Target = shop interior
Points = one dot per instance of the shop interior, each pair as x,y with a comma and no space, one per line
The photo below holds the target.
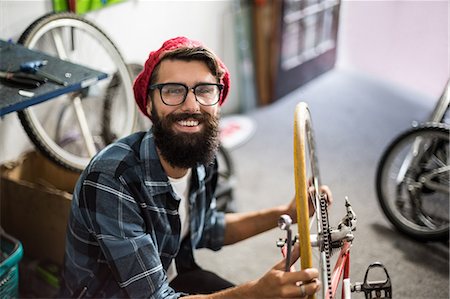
368,70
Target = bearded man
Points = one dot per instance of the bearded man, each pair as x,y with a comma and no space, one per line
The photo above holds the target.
146,202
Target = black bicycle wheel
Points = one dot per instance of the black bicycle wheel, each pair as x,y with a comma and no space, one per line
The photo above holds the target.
413,182
111,105
72,135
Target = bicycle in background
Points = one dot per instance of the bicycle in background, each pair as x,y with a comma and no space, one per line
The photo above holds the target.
70,129
413,177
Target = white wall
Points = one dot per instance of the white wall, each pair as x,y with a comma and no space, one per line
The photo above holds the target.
405,42
138,26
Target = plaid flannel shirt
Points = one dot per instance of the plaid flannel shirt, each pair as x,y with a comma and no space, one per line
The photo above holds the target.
109,248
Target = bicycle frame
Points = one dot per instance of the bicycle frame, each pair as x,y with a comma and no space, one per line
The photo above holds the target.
341,237
341,270
442,105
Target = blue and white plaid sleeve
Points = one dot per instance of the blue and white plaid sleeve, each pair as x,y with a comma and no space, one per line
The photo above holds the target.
114,218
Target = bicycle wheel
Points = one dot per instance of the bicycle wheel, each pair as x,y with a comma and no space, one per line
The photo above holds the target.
413,182
112,106
72,135
307,183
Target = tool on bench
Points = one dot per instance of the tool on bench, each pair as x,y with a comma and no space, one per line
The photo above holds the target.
33,67
23,79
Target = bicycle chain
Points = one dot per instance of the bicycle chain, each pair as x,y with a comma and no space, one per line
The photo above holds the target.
326,239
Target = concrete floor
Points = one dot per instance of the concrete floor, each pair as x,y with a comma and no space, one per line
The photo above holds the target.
354,118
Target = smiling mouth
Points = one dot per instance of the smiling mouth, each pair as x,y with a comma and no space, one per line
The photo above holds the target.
188,123
188,120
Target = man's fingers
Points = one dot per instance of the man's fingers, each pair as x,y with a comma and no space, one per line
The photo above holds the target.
299,283
296,284
327,191
305,276
295,254
307,288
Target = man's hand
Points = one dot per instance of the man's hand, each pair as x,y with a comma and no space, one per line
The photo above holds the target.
324,189
276,283
279,284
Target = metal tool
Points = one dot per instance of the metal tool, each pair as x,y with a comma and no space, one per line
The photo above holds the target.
284,223
33,67
22,79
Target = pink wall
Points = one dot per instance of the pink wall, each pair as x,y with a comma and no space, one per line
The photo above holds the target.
406,42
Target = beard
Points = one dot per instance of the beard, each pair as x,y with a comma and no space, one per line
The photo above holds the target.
186,150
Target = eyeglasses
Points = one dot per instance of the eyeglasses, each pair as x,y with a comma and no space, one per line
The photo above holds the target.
174,94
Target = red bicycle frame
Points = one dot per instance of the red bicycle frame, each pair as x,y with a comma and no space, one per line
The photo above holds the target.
342,268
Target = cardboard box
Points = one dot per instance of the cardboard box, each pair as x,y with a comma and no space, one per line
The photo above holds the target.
35,197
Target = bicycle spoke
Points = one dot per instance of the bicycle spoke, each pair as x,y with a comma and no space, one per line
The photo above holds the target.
84,127
59,44
442,182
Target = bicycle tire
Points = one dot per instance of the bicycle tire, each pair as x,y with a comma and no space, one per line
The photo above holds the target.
59,34
414,208
306,175
113,91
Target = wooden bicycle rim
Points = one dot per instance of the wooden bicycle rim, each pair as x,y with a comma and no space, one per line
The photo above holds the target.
301,184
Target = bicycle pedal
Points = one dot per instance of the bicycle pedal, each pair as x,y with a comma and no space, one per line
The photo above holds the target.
379,289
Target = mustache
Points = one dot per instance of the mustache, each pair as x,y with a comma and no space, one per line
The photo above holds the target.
184,116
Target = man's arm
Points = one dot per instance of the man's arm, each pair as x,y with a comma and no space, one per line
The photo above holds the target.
240,226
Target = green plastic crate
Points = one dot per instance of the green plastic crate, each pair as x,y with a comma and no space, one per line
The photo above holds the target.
10,255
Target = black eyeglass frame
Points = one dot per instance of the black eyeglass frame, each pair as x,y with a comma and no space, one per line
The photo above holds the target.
187,88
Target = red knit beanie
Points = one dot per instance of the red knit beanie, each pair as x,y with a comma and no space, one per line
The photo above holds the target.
143,79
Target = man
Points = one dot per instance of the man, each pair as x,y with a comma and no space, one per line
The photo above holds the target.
145,202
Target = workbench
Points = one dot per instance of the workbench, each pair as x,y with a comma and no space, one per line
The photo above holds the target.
13,99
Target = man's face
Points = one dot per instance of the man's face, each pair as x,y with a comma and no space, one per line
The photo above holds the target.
186,134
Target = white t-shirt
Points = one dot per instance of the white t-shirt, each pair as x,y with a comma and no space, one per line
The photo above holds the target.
181,188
